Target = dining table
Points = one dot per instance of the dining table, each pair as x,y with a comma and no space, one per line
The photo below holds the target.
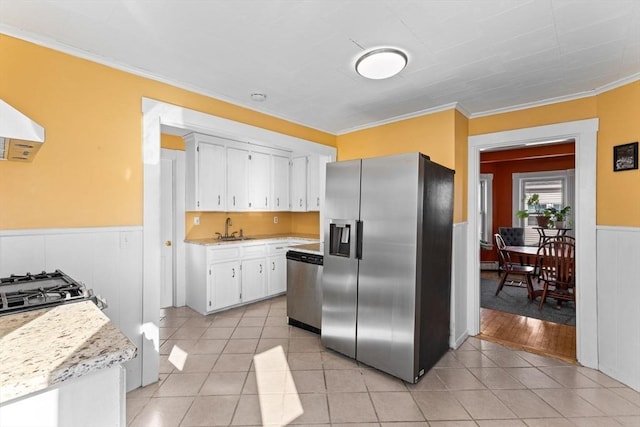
528,255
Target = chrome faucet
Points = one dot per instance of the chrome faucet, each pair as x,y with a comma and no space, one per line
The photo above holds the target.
227,223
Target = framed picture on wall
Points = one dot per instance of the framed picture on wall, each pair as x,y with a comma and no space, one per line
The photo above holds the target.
625,157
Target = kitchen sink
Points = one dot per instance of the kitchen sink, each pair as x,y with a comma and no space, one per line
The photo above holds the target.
235,239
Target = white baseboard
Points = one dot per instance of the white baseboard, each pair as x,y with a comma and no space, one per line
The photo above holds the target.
489,265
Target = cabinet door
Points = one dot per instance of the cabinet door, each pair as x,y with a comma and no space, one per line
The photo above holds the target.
316,176
224,285
259,184
237,173
280,172
299,184
254,274
277,274
212,178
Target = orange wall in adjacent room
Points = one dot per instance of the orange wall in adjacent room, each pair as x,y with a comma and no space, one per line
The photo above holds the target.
503,164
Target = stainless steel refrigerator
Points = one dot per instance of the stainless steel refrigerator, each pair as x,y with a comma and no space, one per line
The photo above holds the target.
387,262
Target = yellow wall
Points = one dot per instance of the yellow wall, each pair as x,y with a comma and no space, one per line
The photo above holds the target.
442,136
618,111
461,162
430,134
618,193
172,142
89,170
584,108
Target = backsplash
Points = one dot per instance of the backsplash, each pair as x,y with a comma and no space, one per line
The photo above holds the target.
253,224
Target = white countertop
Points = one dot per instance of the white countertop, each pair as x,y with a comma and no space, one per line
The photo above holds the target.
311,248
257,239
40,348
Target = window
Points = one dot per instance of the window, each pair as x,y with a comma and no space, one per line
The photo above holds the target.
555,189
485,218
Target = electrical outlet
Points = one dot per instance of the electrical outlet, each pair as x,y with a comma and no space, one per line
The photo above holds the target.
275,219
196,220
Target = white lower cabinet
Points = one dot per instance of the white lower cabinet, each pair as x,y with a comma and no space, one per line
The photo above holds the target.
223,276
224,285
254,279
277,263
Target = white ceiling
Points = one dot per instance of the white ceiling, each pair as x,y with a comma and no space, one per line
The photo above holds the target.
485,55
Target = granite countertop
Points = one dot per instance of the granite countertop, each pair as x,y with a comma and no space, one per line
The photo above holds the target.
45,347
253,239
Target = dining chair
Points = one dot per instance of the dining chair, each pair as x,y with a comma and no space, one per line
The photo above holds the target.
512,273
557,271
512,236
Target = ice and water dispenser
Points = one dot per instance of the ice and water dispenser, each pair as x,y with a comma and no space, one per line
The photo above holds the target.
340,239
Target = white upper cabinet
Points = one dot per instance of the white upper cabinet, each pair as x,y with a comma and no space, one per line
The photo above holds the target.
308,176
212,167
233,176
280,172
259,182
316,177
299,184
206,164
237,179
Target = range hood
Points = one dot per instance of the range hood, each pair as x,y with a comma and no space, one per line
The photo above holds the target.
20,137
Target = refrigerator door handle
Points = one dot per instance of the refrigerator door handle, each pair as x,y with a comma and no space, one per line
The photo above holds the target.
358,239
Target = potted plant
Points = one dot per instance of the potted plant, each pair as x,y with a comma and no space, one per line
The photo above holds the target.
542,216
559,217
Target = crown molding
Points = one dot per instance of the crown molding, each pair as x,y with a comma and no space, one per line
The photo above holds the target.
535,104
445,107
78,53
618,83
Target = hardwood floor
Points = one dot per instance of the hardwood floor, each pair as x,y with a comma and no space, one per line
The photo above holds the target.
537,336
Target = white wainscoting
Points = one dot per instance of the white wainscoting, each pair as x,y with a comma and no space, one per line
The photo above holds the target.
459,285
618,303
106,259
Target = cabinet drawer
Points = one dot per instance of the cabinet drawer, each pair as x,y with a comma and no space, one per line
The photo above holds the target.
222,254
253,250
278,248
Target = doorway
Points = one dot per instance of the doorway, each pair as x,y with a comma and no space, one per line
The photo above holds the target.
510,176
585,134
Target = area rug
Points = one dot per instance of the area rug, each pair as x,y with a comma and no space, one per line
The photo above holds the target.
514,300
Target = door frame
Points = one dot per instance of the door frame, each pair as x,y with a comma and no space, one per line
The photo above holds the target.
177,158
155,116
584,132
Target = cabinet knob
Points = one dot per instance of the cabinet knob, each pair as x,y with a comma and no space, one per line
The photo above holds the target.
233,272
260,268
167,243
300,202
273,266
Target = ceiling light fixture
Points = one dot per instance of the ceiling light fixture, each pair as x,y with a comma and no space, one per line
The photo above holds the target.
381,63
259,96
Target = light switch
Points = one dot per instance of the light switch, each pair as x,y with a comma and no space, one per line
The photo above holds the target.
196,220
275,219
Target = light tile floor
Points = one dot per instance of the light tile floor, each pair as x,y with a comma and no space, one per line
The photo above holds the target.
479,384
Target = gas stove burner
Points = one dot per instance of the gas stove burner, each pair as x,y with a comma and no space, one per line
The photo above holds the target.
31,291
15,278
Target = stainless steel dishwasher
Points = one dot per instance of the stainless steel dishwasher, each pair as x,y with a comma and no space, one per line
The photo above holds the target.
304,288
